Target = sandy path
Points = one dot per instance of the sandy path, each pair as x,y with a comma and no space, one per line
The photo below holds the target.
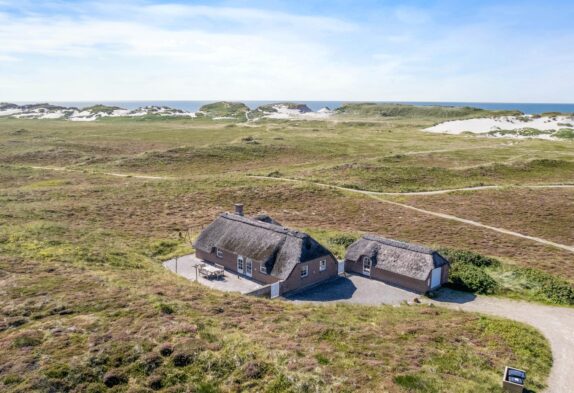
415,193
64,169
555,323
375,195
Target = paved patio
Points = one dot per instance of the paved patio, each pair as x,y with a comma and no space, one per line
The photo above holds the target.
355,289
232,282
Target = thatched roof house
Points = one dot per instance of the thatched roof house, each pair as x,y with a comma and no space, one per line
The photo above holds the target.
265,251
407,265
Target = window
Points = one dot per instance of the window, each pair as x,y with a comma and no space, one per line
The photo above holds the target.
219,253
322,265
304,271
263,269
367,266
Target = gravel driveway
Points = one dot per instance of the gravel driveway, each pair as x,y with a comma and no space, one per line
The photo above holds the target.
556,323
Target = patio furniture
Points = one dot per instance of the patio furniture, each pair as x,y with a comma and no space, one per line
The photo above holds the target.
212,272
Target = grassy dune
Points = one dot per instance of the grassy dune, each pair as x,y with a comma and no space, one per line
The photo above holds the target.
87,302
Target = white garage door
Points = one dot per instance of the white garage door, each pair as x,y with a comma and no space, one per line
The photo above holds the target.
436,277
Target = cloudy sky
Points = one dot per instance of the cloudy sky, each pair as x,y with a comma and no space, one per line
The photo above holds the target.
490,51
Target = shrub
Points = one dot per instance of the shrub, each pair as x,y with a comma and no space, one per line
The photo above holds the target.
472,279
254,370
553,289
182,359
166,308
114,377
12,379
150,362
163,247
469,257
155,382
166,349
344,240
27,340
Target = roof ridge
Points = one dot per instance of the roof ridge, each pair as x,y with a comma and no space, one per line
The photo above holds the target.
399,244
265,225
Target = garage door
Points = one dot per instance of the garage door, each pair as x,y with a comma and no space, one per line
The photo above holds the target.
436,277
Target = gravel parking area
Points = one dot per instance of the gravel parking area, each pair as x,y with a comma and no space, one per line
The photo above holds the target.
355,289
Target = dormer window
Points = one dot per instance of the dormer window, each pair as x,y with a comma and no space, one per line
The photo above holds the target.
219,253
263,269
304,271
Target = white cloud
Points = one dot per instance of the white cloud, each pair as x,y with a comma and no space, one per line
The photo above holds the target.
130,50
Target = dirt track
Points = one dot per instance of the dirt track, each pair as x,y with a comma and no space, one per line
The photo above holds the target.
378,195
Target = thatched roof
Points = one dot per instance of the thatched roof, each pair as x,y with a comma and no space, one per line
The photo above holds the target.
266,218
279,248
410,260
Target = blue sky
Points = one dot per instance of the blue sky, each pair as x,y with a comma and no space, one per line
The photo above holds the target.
490,51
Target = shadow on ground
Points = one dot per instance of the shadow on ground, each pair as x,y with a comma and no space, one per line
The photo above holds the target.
340,289
447,295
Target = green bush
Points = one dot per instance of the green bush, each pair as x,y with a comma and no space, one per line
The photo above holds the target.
469,258
166,308
163,247
553,289
27,340
467,277
343,239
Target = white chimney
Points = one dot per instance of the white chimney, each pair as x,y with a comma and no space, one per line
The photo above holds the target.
239,209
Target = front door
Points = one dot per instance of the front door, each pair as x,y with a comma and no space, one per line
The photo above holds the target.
248,267
436,277
366,266
240,264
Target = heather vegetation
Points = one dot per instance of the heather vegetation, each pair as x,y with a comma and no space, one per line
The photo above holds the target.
90,210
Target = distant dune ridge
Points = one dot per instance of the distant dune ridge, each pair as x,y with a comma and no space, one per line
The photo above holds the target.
217,111
48,111
453,119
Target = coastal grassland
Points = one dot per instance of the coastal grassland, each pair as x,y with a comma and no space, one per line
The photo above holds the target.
359,152
88,305
545,213
392,175
77,327
88,301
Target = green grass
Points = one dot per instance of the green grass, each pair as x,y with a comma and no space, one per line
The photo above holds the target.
413,111
485,275
398,177
80,255
225,109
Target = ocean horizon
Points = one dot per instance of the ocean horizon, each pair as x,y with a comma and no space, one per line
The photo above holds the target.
194,105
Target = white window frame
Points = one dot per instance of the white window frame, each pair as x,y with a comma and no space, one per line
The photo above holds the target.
248,268
240,264
263,268
322,265
304,271
218,253
370,263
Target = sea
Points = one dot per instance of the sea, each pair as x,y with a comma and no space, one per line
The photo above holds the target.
193,106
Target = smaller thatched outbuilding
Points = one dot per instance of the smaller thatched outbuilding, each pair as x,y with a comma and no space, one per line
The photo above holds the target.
405,265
